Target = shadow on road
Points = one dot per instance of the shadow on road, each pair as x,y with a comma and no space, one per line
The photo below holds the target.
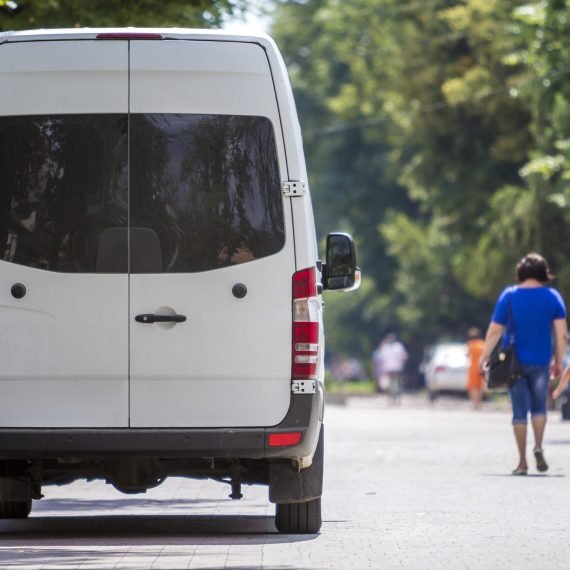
523,477
131,530
558,442
96,506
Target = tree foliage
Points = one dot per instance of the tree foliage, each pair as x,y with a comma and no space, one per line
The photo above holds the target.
438,133
108,13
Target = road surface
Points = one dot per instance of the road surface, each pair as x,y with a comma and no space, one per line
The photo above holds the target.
409,487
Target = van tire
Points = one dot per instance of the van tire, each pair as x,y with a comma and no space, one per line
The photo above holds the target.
298,518
15,509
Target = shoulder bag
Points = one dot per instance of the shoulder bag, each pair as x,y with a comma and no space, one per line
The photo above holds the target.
504,368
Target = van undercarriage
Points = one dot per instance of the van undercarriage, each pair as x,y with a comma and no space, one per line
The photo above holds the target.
134,461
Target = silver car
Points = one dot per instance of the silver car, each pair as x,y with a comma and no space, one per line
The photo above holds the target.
446,370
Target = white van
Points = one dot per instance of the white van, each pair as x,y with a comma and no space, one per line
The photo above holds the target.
160,285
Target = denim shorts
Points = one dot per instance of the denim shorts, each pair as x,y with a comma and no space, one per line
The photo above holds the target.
529,393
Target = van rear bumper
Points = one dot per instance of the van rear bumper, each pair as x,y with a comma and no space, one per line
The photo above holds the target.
304,415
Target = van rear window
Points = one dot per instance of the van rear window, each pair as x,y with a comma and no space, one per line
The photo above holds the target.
200,192
208,186
63,181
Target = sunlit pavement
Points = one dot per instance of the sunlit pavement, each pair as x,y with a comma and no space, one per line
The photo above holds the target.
410,486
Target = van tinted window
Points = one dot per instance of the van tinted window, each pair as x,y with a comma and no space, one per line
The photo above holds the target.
63,181
203,192
208,186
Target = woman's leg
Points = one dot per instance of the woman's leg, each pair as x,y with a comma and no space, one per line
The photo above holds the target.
520,401
539,381
538,425
520,438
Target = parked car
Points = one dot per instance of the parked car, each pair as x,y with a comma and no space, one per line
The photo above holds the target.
160,282
446,371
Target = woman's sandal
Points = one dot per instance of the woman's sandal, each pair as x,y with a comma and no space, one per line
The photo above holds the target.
541,464
520,471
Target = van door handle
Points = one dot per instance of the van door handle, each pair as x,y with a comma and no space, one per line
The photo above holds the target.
150,318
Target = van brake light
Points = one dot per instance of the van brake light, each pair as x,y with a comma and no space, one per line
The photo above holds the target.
305,341
129,36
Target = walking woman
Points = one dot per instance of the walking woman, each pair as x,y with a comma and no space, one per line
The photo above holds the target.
532,311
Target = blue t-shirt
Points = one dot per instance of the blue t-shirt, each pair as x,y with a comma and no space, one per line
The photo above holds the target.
533,309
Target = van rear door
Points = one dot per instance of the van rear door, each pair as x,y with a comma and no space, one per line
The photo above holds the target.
63,188
210,238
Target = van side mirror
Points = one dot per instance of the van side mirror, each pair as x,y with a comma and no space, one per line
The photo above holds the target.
340,273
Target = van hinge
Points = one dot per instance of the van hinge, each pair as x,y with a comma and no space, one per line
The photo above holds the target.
294,188
304,387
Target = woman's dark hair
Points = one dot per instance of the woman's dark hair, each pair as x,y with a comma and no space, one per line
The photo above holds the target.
533,266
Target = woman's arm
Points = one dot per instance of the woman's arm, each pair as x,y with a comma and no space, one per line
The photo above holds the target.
562,384
494,333
561,344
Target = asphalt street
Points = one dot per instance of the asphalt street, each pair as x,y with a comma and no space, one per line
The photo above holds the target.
412,487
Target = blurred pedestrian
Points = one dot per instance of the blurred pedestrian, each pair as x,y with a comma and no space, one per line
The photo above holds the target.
391,359
475,379
527,313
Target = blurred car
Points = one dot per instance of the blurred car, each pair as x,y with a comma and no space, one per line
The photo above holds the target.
446,370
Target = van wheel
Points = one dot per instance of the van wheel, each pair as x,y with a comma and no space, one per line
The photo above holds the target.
298,518
15,509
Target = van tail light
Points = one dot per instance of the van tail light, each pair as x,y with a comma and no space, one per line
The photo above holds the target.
305,341
440,368
284,439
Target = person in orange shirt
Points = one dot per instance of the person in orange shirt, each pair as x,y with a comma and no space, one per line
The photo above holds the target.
475,380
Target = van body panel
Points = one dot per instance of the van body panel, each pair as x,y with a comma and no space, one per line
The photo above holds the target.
239,443
64,350
236,347
63,77
200,77
228,364
303,219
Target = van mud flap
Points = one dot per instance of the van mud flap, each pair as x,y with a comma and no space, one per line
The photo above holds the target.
290,485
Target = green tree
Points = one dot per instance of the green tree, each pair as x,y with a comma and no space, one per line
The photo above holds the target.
546,175
102,13
470,135
438,133
351,169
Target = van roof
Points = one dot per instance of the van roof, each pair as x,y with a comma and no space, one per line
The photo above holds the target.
135,33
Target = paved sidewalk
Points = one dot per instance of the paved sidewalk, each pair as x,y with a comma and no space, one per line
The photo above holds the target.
410,487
